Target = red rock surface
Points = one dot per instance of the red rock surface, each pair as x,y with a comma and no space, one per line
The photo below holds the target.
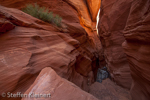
28,45
60,89
94,6
125,24
87,11
33,45
108,90
111,24
5,25
137,48
70,10
72,13
82,9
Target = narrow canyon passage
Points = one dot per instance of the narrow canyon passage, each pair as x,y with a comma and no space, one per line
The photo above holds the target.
99,51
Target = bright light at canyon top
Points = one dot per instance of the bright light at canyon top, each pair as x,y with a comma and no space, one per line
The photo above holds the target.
97,20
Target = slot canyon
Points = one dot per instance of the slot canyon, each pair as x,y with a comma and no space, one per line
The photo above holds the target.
101,50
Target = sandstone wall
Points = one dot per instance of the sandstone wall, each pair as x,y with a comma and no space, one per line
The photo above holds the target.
124,33
27,45
48,82
113,17
137,48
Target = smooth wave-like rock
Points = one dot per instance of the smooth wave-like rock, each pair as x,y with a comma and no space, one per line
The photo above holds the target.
112,21
137,48
124,34
48,82
33,45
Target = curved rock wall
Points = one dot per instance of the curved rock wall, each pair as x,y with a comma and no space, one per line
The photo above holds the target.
27,45
111,24
48,82
137,48
124,33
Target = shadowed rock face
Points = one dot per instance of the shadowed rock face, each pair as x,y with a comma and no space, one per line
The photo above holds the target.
124,29
111,24
60,89
28,45
137,48
5,25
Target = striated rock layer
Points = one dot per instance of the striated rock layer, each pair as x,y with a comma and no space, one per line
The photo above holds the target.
48,82
71,11
125,23
111,24
137,48
27,45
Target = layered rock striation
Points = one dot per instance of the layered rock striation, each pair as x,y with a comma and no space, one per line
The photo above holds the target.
137,48
28,45
124,34
48,82
112,22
